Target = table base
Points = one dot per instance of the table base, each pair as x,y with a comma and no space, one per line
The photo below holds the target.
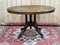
30,24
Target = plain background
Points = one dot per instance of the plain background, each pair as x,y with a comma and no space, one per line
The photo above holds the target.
49,18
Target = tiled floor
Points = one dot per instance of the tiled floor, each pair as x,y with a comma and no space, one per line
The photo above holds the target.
9,34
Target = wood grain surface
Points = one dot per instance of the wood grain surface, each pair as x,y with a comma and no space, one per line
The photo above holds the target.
30,9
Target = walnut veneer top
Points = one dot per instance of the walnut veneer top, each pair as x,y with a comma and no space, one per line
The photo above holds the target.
30,9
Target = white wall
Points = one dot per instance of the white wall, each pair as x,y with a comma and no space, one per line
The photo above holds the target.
7,17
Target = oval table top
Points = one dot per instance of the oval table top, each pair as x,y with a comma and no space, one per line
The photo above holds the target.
30,9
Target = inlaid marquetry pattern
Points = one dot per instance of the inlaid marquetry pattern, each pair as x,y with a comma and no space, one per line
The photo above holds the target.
31,9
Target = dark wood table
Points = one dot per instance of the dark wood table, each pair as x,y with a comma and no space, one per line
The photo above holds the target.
30,10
